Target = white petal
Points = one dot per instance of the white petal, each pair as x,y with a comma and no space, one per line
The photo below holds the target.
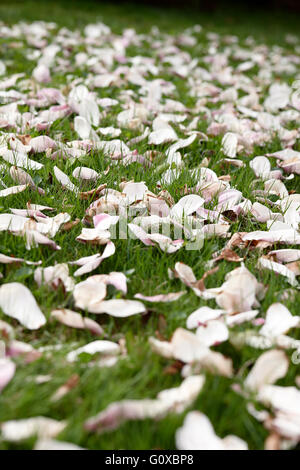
120,308
18,302
95,347
64,180
14,431
269,367
278,321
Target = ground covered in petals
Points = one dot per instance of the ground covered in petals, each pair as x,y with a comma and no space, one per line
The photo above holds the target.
149,229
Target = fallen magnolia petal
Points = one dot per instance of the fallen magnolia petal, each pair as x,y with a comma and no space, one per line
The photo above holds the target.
20,160
162,136
102,347
269,367
184,273
172,400
276,187
13,190
239,318
89,263
42,143
89,294
41,74
42,427
170,297
228,255
197,433
7,371
16,348
261,167
64,180
263,214
20,176
120,308
180,144
212,334
229,144
9,259
134,191
35,238
52,444
186,205
285,403
287,255
113,148
6,330
95,236
288,236
278,321
55,276
202,316
17,302
279,269
116,279
75,320
186,347
85,174
239,292
82,127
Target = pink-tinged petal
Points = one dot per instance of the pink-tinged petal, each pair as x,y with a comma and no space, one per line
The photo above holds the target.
139,233
7,371
9,259
186,347
170,297
54,276
42,143
239,292
75,320
242,317
288,236
85,174
41,74
116,279
287,255
35,238
172,400
202,316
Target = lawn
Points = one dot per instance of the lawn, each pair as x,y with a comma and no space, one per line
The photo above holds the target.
140,372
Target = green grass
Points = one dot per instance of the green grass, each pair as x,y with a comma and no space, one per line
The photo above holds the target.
142,373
